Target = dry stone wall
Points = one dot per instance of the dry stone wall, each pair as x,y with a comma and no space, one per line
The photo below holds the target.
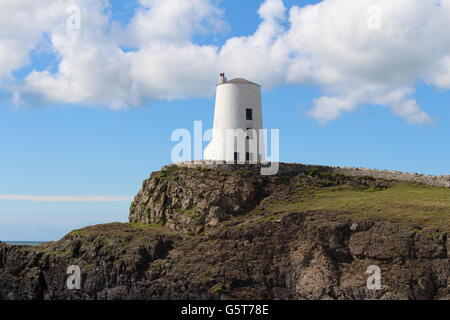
293,168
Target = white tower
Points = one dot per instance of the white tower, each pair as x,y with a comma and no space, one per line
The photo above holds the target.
237,133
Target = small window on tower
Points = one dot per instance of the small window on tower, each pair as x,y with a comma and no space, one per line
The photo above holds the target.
249,114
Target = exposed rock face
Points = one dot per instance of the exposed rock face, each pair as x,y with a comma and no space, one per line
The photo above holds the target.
111,257
210,235
196,198
191,199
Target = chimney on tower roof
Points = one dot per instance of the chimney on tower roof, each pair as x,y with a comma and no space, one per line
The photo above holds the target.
222,79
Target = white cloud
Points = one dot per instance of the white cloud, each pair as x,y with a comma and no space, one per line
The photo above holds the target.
67,198
95,71
354,64
263,56
328,44
171,20
22,24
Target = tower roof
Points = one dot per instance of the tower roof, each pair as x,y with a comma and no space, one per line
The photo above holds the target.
241,80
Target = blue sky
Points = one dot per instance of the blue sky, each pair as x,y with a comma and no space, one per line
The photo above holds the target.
57,148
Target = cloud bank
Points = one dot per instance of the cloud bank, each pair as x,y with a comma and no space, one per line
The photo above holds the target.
356,52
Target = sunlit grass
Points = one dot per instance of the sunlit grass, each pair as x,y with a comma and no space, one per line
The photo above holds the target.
404,203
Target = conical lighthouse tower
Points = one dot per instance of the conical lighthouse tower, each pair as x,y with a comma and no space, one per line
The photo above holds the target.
237,133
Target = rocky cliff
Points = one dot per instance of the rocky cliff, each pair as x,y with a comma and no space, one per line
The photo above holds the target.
204,233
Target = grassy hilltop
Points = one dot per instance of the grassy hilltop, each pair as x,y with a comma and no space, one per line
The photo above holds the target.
403,203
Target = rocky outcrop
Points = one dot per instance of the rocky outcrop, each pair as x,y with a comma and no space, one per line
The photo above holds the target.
111,257
296,256
192,199
198,197
199,233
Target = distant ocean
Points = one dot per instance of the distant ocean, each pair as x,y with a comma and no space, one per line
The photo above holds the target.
28,243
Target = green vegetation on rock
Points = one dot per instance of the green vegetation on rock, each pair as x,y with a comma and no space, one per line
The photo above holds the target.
402,203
